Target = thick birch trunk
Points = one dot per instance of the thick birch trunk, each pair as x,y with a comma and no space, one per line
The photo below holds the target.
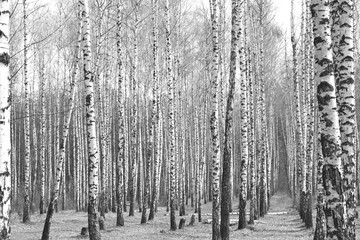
346,97
332,171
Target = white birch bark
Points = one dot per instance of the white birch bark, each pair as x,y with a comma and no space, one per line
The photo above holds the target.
5,137
214,122
171,117
92,148
332,169
26,216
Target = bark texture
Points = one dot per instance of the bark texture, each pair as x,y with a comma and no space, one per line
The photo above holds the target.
5,124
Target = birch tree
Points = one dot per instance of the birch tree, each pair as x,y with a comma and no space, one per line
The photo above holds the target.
26,216
330,135
151,153
65,131
121,103
214,122
156,96
5,124
244,128
92,148
171,117
346,97
42,136
134,114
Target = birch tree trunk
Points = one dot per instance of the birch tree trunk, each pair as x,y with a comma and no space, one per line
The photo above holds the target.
151,154
155,119
5,124
310,119
244,130
214,123
134,118
42,136
251,144
263,123
330,136
171,114
65,131
299,137
320,226
92,148
346,97
121,106
26,216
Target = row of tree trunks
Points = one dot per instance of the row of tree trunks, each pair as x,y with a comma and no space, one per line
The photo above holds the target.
136,158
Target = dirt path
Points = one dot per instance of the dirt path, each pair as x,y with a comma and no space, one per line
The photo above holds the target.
282,222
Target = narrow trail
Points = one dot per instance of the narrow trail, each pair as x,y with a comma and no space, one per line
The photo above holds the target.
281,222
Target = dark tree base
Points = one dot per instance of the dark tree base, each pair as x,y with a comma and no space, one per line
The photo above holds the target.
192,220
101,223
302,205
182,223
182,210
143,216
84,231
308,213
199,213
242,214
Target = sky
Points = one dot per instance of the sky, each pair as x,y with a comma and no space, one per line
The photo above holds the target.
281,10
282,13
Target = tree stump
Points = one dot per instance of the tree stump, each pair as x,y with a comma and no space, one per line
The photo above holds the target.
182,223
102,223
192,220
84,231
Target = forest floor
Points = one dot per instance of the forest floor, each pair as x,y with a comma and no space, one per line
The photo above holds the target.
281,222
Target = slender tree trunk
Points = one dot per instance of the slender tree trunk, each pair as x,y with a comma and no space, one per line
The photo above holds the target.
26,216
263,123
251,131
155,116
134,119
5,125
42,135
214,123
121,105
244,130
171,117
92,147
310,119
65,131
